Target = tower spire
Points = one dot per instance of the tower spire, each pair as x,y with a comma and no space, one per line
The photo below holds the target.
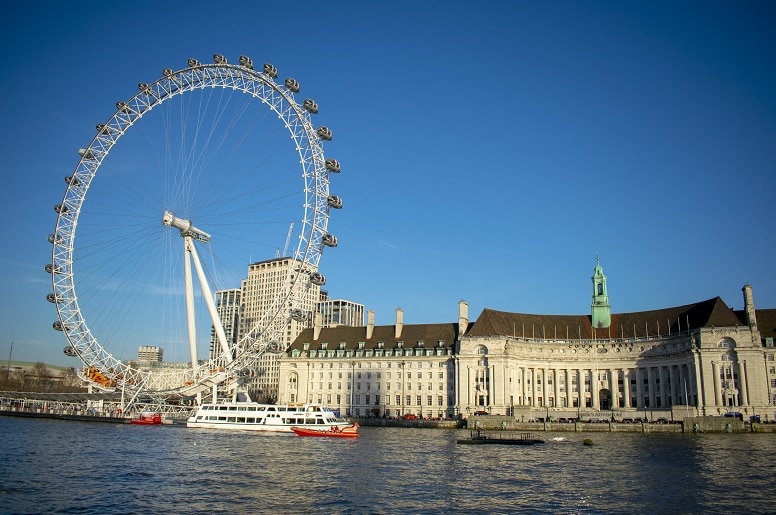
600,309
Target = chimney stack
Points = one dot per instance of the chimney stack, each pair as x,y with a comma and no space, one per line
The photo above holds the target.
463,317
317,323
751,318
399,322
370,324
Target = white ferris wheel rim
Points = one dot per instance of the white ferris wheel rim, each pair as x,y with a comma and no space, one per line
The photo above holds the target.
264,335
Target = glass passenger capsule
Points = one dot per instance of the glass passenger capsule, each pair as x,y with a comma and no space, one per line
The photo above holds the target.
270,70
332,165
246,61
334,201
310,105
292,84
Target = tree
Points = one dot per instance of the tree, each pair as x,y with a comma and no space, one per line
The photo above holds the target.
40,377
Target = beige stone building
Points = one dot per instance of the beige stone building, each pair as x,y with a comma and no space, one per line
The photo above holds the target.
396,370
698,359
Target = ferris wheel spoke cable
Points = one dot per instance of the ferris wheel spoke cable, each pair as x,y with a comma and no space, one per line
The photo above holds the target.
205,166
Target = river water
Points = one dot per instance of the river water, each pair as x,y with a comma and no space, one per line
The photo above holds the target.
49,466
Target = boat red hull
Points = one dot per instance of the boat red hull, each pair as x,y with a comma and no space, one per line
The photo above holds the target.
345,432
147,420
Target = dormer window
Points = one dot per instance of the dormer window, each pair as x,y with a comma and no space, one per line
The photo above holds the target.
400,344
361,345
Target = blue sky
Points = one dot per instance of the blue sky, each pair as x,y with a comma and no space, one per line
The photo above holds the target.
489,151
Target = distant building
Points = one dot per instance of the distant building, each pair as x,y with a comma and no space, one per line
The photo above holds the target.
261,293
241,309
150,354
698,359
374,370
340,312
228,309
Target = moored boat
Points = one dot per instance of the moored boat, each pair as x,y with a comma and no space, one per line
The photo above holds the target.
335,432
481,438
277,418
147,418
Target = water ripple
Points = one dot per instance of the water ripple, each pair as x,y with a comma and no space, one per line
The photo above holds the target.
76,467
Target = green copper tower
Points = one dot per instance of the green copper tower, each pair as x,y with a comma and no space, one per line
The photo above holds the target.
601,311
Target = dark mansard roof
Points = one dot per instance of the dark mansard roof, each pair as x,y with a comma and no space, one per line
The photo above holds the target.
430,334
707,313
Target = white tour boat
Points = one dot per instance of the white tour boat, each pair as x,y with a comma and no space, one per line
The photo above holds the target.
252,416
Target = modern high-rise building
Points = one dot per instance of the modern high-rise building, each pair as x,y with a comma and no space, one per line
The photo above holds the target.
228,309
150,354
262,292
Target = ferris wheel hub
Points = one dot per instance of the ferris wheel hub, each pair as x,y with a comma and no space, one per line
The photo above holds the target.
184,226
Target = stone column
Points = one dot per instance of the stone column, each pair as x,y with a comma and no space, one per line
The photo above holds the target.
580,389
743,381
522,386
533,387
717,384
594,388
614,376
626,388
651,386
661,373
492,386
569,395
685,384
695,383
639,388
674,377
469,389
555,381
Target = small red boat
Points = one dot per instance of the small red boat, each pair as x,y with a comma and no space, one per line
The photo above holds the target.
148,418
336,432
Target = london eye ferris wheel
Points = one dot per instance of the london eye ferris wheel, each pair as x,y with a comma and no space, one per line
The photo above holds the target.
186,183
